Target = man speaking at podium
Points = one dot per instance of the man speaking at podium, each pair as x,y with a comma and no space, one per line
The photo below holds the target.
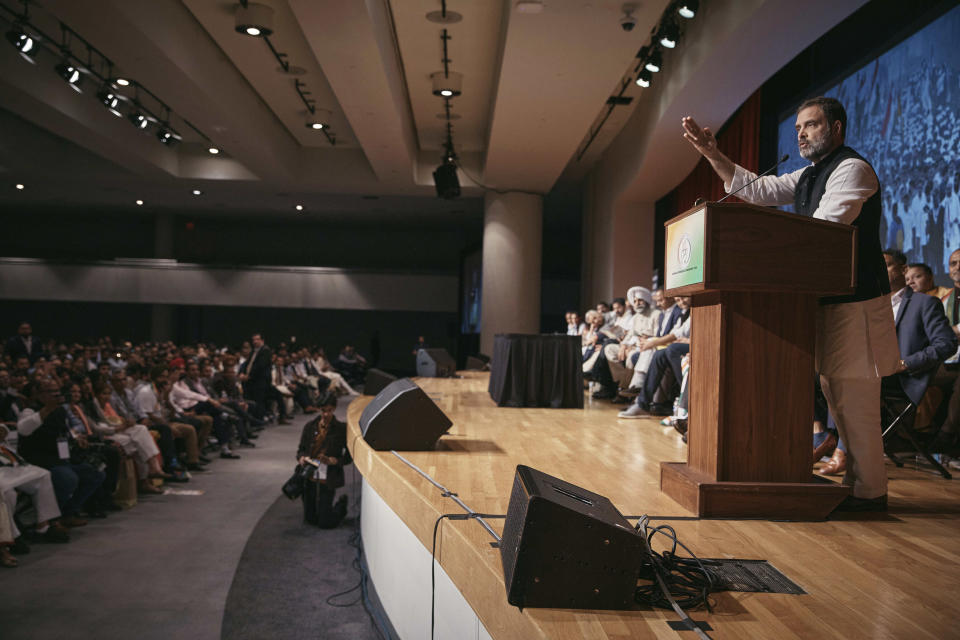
856,337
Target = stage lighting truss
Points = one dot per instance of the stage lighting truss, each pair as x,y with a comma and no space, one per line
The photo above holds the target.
78,58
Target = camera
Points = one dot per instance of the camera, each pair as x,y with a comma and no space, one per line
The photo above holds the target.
628,22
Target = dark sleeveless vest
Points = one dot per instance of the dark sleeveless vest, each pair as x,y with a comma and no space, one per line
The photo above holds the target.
872,280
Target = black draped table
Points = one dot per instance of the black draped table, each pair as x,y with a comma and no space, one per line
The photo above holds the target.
536,371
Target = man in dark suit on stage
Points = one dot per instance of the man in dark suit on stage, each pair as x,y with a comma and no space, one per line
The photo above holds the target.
923,332
24,344
255,374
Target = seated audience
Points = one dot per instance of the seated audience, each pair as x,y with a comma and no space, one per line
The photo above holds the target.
643,325
665,362
153,409
18,477
351,365
337,384
46,440
189,398
920,279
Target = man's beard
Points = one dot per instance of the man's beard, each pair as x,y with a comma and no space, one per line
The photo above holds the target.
817,148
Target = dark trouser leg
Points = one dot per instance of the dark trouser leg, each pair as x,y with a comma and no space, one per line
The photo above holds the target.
104,493
948,381
301,396
65,483
318,507
168,448
221,428
658,367
88,480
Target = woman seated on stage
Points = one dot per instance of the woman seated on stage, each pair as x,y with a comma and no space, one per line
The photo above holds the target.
323,446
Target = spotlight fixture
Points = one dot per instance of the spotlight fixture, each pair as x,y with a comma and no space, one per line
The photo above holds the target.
299,207
254,19
213,151
70,74
168,136
139,203
20,187
644,78
23,42
109,100
688,8
197,192
138,117
447,84
315,125
654,62
121,81
668,35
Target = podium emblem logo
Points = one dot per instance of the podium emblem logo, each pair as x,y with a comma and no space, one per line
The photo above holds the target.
684,250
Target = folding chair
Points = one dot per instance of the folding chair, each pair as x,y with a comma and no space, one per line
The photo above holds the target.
898,413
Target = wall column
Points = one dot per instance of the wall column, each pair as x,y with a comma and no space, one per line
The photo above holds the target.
512,247
161,315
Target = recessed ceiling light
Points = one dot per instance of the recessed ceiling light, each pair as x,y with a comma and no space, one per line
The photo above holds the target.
197,192
139,203
20,187
299,207
315,125
123,82
213,151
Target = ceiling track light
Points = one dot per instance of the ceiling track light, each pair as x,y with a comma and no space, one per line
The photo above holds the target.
668,35
213,151
253,19
110,100
688,8
447,84
654,62
168,136
23,42
644,78
316,125
138,117
70,74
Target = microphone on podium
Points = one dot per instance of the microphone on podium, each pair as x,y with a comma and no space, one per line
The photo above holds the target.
783,159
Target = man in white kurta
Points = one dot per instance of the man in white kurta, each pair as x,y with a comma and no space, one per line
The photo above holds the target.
856,340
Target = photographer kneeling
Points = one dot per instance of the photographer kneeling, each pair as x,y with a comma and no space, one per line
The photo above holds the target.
323,447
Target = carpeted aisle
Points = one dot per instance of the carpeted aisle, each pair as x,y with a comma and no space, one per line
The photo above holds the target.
287,571
222,564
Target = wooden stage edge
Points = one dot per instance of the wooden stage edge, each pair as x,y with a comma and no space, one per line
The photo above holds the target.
892,575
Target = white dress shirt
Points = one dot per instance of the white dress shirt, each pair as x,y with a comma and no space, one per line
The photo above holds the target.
895,300
848,187
183,397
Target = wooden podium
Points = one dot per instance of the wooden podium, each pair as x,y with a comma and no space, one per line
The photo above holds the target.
755,275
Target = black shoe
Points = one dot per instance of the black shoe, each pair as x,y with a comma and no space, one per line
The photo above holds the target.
247,444
19,547
622,399
661,410
96,513
604,394
195,467
112,506
204,459
252,436
855,504
56,534
229,455
680,424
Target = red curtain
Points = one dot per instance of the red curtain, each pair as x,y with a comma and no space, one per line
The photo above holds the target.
740,140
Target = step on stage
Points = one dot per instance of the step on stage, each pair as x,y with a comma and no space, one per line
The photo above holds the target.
893,575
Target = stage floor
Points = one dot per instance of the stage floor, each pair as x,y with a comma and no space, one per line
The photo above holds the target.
893,575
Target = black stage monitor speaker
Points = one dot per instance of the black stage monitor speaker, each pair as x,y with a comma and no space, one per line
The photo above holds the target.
476,364
375,381
564,547
435,363
404,418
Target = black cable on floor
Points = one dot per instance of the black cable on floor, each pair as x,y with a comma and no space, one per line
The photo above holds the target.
676,582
